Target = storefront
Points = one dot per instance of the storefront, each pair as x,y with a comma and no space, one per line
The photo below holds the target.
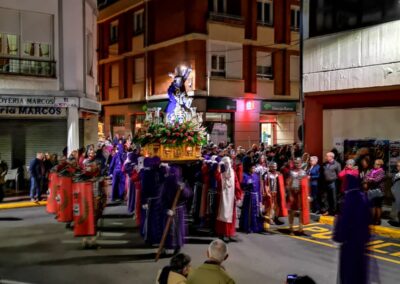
43,124
341,119
219,120
122,119
278,122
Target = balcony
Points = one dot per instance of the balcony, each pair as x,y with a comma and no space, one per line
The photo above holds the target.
27,67
226,18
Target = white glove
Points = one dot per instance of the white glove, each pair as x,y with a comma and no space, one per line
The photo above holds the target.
239,203
145,206
262,209
170,213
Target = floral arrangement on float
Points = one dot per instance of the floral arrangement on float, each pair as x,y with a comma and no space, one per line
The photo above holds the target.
180,135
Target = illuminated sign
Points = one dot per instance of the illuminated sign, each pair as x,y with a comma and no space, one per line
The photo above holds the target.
250,105
278,106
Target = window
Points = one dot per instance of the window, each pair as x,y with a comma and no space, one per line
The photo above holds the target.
139,70
117,120
11,44
44,50
137,122
138,22
264,65
35,49
114,32
89,54
29,49
114,75
294,68
294,18
218,65
265,12
220,6
225,60
27,39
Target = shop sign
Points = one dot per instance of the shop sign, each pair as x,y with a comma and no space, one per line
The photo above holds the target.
32,112
157,104
221,104
66,102
38,101
279,106
27,101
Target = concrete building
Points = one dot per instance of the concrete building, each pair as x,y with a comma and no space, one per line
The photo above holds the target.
244,55
351,73
48,77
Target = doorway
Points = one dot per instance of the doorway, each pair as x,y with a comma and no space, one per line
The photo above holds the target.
267,133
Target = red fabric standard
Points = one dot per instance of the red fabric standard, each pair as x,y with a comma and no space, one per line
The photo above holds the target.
64,199
51,206
305,204
84,216
283,212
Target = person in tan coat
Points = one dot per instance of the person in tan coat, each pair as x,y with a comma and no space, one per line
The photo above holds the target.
212,271
176,272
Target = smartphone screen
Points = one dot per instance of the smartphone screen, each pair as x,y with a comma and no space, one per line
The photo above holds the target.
291,278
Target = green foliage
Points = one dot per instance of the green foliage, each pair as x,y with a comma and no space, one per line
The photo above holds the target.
172,134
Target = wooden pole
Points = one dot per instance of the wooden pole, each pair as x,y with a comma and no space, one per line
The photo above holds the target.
166,229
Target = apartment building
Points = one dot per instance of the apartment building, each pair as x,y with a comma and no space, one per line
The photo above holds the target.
244,56
48,77
352,76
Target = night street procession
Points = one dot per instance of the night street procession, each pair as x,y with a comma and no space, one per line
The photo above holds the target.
199,142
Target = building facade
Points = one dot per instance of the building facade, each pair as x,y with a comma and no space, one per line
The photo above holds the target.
351,74
48,77
244,56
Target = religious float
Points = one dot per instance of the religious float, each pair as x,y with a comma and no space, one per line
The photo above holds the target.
177,134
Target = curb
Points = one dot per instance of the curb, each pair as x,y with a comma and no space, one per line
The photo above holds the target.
375,230
25,204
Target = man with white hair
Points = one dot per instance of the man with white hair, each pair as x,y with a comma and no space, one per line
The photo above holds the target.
228,193
314,174
331,171
36,168
212,271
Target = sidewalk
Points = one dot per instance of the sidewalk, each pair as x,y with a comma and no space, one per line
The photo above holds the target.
19,202
384,230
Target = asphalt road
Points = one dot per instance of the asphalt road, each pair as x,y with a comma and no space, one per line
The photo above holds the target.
34,248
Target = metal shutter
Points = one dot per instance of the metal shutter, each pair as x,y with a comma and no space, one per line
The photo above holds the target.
5,144
45,136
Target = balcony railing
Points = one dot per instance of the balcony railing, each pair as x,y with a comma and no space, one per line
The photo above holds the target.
226,18
27,67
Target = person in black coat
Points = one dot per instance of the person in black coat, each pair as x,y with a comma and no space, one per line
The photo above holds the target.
37,171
